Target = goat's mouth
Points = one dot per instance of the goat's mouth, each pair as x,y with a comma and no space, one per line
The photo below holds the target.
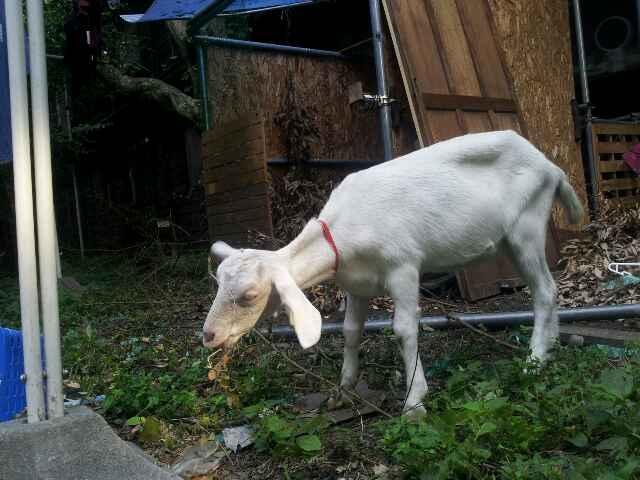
226,343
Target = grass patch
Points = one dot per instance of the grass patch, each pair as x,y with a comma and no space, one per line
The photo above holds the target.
132,334
576,418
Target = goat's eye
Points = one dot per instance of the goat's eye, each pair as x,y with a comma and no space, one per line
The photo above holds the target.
250,295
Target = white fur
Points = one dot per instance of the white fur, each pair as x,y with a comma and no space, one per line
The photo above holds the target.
435,210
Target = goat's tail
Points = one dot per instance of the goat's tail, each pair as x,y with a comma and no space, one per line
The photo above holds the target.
570,201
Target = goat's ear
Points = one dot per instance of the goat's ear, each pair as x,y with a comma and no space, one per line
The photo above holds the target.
305,318
220,251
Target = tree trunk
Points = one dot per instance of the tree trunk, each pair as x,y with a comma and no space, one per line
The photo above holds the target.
166,96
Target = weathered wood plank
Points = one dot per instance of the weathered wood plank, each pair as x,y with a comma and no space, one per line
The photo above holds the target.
507,121
237,194
239,216
237,205
615,129
232,183
241,167
444,125
476,122
456,54
484,51
619,184
600,336
230,128
609,166
235,178
614,147
233,152
468,103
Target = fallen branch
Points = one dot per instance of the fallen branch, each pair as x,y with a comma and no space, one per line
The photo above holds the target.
455,319
321,378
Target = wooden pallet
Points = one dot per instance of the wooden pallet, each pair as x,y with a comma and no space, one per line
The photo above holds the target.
235,179
616,180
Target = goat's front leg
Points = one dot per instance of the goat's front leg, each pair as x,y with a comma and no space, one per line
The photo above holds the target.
354,319
403,287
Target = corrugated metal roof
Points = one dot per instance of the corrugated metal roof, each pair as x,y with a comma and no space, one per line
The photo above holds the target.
188,9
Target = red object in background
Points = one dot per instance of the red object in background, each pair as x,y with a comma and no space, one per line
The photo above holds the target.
632,158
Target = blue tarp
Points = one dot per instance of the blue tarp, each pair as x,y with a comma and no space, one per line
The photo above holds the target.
5,107
188,9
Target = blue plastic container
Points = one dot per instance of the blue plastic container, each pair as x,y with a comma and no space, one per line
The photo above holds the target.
13,398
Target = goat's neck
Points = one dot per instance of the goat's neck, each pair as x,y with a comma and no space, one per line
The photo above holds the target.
310,259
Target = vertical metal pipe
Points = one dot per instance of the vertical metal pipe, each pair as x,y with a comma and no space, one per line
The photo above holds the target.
58,262
45,212
78,214
204,88
586,100
582,62
638,23
381,77
67,106
25,233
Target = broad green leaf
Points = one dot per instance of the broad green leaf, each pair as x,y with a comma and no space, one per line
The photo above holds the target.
275,423
309,443
579,440
496,403
152,430
486,427
613,444
628,470
574,475
133,421
617,382
596,417
482,453
474,406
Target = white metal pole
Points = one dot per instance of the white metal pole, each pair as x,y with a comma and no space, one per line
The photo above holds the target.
27,266
47,253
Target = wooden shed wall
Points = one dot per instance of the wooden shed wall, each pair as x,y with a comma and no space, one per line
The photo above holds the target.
536,40
312,90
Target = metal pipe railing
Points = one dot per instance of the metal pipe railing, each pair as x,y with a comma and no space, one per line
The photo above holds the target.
320,163
204,87
25,232
489,320
381,77
274,47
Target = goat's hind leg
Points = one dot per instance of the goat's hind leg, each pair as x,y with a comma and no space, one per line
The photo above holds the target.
403,287
355,317
527,248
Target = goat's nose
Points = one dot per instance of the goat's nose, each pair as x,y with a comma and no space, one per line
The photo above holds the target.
208,336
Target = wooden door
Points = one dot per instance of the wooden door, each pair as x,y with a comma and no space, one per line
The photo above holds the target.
457,83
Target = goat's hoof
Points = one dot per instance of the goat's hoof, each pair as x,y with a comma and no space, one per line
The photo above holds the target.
415,413
338,399
333,403
534,365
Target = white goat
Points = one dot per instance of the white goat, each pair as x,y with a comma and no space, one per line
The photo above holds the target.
434,210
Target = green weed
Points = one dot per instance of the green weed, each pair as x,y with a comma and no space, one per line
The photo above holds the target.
576,418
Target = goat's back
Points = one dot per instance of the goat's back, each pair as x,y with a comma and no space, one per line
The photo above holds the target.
445,203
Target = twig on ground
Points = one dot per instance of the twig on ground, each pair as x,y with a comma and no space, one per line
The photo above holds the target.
454,318
137,302
321,378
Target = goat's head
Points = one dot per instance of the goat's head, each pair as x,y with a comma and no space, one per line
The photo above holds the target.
252,284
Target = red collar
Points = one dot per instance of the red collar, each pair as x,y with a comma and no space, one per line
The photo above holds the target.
329,238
